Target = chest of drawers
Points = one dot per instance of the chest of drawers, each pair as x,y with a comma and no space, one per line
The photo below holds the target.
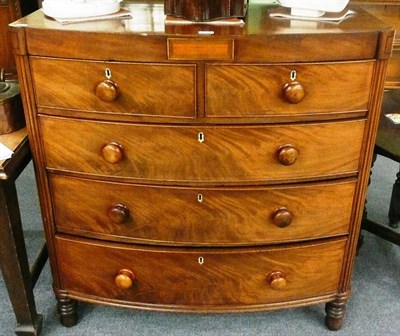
179,171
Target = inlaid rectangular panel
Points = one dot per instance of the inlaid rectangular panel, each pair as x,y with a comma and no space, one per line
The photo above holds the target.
200,49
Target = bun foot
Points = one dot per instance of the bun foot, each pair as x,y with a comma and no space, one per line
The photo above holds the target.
333,324
67,308
335,312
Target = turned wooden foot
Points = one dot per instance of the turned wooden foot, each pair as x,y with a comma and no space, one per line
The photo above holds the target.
335,312
67,308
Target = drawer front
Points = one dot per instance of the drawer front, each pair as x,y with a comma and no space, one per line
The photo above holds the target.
256,90
202,153
210,279
143,89
201,216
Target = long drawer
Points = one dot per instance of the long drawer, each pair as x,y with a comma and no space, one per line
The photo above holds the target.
143,89
256,90
209,279
201,216
206,154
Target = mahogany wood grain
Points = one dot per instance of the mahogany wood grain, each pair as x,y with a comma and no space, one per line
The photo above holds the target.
247,89
208,142
143,88
260,40
223,216
175,279
229,154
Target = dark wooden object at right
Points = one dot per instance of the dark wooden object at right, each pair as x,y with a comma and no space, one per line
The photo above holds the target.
388,137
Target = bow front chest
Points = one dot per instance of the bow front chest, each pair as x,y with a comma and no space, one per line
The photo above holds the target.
202,167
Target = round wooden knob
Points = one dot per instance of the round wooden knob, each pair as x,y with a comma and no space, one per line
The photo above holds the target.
282,217
287,155
119,213
113,152
124,279
277,280
293,92
107,91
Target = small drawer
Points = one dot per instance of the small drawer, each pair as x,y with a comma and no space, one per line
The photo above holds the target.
198,279
201,216
288,89
153,89
203,154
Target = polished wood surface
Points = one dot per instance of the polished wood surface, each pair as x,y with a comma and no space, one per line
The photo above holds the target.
143,89
199,279
229,154
253,40
200,216
269,89
213,181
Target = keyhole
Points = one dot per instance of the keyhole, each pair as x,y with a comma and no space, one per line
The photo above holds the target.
201,260
200,198
201,137
293,75
108,73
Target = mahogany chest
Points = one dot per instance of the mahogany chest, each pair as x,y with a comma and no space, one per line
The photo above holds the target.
200,167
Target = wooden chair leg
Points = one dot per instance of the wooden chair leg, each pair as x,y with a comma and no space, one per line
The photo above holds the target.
394,210
14,263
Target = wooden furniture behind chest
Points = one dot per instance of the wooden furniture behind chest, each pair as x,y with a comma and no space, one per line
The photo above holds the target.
389,12
387,143
187,172
10,10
